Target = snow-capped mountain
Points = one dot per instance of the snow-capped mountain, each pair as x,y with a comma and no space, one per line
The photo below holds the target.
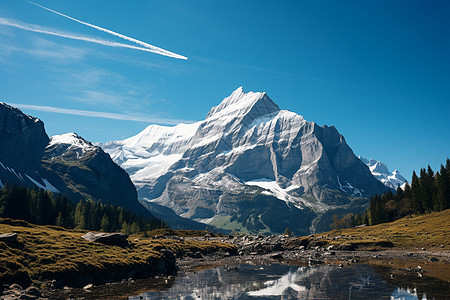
64,163
248,166
381,172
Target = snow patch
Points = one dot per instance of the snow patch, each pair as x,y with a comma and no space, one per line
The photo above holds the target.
152,167
47,187
348,188
272,188
205,221
13,171
71,139
270,185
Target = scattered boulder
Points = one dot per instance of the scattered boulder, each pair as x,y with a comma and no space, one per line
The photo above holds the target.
9,237
106,238
276,256
33,291
346,247
433,259
15,286
194,255
15,292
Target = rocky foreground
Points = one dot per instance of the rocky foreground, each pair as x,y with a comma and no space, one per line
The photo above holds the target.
47,262
250,249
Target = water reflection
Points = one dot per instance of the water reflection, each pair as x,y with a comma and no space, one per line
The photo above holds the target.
406,294
279,281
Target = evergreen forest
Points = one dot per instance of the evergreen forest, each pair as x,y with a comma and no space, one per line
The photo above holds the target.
46,208
428,192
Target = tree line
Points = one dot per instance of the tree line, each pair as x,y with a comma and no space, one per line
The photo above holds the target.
428,192
46,208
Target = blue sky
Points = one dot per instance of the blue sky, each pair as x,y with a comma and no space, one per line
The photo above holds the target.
377,70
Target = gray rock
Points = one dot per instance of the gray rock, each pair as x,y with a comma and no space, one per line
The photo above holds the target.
276,256
106,238
15,286
32,290
26,296
194,255
23,138
9,237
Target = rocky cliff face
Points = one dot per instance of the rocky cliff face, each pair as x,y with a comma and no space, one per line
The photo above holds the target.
66,163
245,165
22,138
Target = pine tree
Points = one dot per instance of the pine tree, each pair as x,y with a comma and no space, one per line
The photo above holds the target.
416,194
134,228
79,215
426,185
445,188
408,193
59,220
105,223
126,228
400,194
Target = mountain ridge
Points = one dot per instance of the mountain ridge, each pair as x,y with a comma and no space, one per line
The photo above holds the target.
199,170
66,164
381,172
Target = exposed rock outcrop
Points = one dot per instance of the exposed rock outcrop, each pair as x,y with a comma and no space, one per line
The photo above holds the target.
106,238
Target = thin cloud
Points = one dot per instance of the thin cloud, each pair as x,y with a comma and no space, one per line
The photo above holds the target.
147,46
99,114
39,29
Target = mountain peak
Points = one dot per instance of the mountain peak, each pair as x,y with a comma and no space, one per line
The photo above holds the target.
71,141
382,173
241,103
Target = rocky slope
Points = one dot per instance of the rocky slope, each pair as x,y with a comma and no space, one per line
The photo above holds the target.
248,166
66,163
381,172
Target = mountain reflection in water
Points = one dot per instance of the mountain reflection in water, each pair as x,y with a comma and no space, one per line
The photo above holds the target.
277,281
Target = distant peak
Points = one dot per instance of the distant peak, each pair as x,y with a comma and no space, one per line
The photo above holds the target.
72,139
239,103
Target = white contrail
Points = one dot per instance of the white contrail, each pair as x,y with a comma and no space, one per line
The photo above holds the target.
99,114
153,49
39,29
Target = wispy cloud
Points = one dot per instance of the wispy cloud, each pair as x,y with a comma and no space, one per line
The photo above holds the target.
99,98
99,114
148,47
50,31
39,48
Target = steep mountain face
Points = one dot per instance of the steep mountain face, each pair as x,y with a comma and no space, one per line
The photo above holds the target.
381,172
22,137
248,166
65,163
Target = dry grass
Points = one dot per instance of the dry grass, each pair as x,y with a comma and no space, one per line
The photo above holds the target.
50,252
431,231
